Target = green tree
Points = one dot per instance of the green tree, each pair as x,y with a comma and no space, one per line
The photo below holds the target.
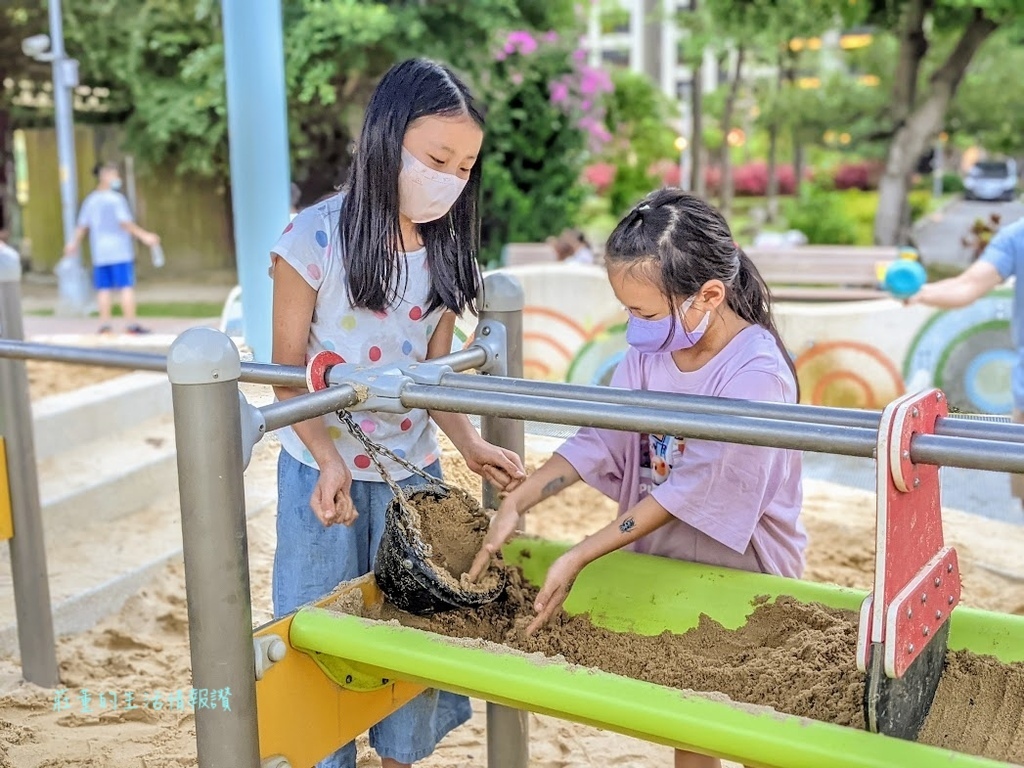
989,107
639,117
759,32
545,105
918,107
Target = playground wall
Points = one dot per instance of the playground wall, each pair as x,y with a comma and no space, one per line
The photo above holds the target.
860,354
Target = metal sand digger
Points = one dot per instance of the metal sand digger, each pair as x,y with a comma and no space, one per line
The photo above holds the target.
306,684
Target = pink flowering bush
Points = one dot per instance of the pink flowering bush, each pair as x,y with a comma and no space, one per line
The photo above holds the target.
545,118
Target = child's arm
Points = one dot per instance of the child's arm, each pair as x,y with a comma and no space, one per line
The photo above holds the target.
644,518
76,240
498,465
556,475
294,300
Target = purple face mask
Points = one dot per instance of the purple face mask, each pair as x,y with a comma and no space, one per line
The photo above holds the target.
650,336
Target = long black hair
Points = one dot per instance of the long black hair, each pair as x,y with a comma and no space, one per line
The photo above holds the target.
688,243
369,228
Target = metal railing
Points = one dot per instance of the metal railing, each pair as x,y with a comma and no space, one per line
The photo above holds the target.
214,437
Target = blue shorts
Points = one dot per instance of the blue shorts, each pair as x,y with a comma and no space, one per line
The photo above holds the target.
311,560
106,277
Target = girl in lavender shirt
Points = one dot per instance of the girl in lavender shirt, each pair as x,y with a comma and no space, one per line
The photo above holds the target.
701,324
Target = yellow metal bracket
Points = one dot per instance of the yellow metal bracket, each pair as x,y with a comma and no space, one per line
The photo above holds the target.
6,511
309,705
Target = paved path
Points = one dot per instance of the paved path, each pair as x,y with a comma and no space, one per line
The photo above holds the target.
938,239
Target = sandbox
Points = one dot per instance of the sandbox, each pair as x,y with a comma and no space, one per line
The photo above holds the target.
676,625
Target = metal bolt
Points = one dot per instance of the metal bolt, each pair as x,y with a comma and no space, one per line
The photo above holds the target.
348,679
910,613
938,582
486,331
407,564
910,648
950,599
949,568
917,482
925,631
906,454
938,614
938,396
924,598
915,413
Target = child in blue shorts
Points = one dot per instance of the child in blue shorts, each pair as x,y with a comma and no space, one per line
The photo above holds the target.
105,215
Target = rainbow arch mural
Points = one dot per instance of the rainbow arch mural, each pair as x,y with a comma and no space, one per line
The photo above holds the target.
858,354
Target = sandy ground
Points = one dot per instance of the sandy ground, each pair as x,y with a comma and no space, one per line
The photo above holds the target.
144,650
46,378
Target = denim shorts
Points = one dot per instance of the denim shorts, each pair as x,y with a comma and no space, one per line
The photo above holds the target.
311,560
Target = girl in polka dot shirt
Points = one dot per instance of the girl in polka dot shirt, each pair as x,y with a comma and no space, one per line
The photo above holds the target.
377,274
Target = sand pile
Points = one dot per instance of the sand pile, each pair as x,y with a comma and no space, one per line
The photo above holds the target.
145,647
794,657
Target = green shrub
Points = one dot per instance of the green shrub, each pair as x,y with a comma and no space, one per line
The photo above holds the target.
920,201
952,184
823,217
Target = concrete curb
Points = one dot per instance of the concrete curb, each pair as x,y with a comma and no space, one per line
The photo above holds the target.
72,419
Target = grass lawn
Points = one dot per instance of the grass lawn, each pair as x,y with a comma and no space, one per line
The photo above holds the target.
200,310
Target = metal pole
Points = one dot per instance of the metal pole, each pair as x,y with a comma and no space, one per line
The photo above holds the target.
27,545
203,366
508,730
950,426
64,79
944,451
258,145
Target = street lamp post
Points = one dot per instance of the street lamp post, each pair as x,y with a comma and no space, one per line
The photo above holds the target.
65,78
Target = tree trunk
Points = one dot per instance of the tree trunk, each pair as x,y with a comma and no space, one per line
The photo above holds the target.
772,208
697,133
773,149
798,161
726,191
912,50
920,127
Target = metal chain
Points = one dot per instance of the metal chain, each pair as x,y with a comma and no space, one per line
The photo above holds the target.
374,451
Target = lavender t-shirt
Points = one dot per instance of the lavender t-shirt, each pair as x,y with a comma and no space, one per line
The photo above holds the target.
736,506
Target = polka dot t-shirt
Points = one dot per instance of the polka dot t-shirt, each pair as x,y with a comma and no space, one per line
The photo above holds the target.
310,244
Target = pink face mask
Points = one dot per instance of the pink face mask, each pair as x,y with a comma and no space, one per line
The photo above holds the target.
423,193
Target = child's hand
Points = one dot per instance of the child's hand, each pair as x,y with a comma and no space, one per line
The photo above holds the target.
557,583
496,465
332,500
503,526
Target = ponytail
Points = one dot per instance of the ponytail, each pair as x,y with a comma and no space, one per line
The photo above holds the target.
751,299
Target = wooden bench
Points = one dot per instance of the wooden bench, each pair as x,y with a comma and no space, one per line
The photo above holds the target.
520,254
822,272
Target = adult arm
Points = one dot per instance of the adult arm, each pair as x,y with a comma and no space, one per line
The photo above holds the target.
966,288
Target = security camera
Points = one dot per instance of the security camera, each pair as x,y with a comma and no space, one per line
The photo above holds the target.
36,46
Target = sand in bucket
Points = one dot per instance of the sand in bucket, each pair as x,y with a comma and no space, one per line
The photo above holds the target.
431,535
453,530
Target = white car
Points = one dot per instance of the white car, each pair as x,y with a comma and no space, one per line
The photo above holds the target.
992,180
